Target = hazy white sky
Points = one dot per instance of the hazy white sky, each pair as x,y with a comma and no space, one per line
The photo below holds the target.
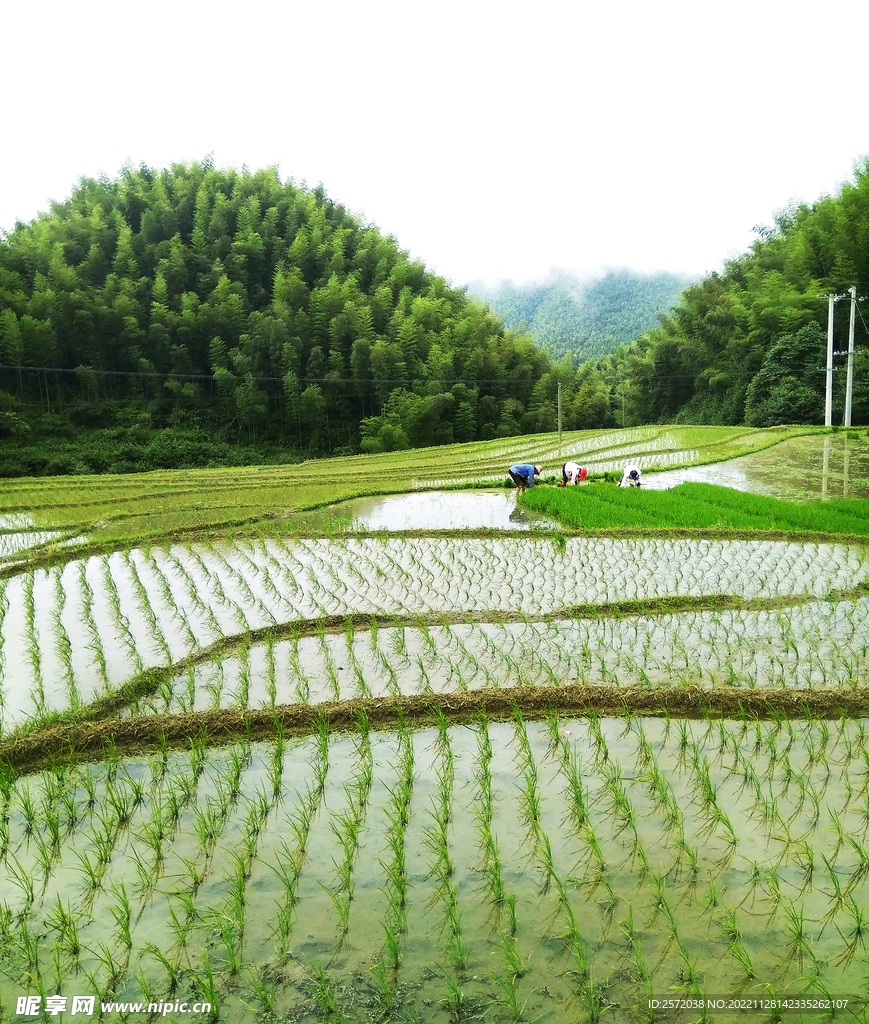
493,139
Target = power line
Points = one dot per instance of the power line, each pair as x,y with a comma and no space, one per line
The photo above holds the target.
155,374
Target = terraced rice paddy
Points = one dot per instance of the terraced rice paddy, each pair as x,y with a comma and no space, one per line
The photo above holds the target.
78,632
436,778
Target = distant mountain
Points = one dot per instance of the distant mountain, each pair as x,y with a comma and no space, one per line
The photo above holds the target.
586,319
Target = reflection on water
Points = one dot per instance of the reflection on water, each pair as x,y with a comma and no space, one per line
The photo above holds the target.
435,510
803,468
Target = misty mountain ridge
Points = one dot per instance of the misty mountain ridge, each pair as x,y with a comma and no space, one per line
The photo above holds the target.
584,317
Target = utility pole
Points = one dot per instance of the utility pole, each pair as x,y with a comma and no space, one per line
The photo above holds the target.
559,417
828,408
849,387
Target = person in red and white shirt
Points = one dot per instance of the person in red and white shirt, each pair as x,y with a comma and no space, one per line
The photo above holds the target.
573,473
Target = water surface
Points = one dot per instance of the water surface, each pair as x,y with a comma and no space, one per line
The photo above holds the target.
435,510
801,469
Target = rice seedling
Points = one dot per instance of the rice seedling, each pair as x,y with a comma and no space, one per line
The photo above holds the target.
172,969
115,969
264,992
325,993
206,986
92,875
28,946
145,610
855,938
122,913
799,946
21,878
509,997
455,999
839,895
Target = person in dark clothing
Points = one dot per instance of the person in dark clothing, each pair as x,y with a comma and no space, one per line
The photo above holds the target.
631,477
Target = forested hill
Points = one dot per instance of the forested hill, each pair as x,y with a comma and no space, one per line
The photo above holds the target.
189,311
749,345
584,319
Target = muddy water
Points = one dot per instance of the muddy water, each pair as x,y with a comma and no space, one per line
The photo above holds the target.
433,510
647,869
805,468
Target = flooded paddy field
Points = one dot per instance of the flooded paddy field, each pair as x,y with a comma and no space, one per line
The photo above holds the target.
74,633
816,645
545,871
800,469
547,868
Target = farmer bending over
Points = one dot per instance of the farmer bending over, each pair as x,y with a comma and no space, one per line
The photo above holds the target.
630,477
523,475
573,473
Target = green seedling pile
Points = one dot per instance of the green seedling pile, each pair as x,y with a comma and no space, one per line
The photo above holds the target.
696,506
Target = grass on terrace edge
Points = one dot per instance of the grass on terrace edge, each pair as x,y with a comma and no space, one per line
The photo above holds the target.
69,743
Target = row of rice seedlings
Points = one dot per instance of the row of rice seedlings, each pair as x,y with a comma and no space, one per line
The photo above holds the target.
62,642
230,918
397,814
31,643
145,609
120,622
502,901
441,865
360,684
302,683
346,827
394,921
291,856
191,590
94,641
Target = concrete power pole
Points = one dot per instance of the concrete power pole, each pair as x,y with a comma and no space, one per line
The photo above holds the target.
849,387
828,408
559,417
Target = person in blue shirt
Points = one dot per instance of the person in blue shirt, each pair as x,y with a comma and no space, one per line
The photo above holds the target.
523,475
